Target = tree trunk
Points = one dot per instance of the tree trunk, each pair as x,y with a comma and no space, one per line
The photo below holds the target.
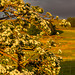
52,29
19,68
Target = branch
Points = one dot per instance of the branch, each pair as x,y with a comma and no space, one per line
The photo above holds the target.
7,17
29,49
8,55
11,57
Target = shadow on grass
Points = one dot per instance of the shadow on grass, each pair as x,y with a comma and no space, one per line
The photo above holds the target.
59,31
67,68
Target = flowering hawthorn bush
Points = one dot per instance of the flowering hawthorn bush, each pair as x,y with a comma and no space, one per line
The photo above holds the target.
20,53
64,23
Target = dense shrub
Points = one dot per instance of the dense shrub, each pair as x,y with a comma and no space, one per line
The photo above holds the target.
65,23
72,21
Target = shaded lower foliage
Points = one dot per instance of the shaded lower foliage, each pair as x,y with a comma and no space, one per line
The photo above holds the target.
59,31
33,30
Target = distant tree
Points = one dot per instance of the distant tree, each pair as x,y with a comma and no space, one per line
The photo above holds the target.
65,23
72,21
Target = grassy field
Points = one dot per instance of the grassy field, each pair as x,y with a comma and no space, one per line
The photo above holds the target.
68,49
66,42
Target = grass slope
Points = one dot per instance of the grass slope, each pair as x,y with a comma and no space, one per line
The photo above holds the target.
66,42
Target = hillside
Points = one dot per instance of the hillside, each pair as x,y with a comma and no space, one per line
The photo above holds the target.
66,42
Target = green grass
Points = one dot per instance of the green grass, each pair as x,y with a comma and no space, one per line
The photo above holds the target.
68,33
67,68
68,64
67,40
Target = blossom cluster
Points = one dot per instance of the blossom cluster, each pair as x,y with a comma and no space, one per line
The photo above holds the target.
51,63
6,70
57,17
